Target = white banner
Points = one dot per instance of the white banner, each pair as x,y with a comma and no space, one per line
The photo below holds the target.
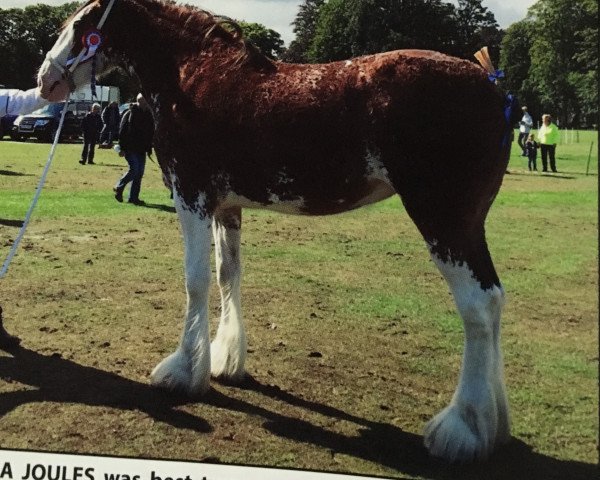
22,465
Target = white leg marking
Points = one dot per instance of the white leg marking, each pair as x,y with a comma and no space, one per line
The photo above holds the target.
476,420
188,368
228,349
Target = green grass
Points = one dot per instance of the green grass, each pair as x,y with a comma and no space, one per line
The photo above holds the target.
359,288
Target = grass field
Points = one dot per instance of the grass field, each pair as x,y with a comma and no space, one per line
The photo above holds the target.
354,339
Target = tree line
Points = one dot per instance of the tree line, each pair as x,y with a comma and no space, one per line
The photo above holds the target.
550,58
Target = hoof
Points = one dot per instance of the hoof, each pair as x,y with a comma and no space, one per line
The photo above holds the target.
174,373
460,434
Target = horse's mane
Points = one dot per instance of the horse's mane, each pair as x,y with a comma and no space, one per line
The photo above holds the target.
199,27
195,26
70,17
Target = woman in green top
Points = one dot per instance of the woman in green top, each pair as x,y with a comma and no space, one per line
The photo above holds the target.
548,137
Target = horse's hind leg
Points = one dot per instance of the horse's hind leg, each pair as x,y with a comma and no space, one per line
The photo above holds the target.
228,349
476,420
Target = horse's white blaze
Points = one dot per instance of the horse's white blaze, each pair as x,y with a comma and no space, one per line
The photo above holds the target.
50,78
188,368
228,349
477,418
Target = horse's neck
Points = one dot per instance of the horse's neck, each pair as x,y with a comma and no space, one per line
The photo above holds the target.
152,44
134,36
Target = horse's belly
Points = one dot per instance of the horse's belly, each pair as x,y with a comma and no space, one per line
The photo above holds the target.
372,190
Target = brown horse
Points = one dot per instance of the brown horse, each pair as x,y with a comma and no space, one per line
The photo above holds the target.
235,129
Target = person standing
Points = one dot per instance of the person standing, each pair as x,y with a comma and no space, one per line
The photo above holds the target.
135,142
90,125
110,119
548,137
531,148
525,126
17,102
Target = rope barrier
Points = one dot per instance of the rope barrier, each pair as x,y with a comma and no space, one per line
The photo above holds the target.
38,192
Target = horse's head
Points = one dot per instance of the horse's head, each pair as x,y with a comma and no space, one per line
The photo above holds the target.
68,64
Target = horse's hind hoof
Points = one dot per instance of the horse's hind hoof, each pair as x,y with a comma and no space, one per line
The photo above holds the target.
460,435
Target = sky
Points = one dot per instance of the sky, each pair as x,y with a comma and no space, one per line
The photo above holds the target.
279,14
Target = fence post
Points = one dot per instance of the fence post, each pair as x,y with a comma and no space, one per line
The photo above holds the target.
587,169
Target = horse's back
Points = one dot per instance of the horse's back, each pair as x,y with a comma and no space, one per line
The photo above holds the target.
427,121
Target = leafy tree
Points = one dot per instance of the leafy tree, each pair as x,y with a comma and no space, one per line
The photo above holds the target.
476,27
585,77
348,28
268,41
564,56
515,61
551,59
25,36
304,28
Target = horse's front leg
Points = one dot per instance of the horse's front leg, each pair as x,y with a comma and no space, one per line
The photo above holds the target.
228,349
188,368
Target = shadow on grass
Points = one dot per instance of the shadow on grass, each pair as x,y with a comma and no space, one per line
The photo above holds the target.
159,206
64,381
561,175
11,223
10,173
392,447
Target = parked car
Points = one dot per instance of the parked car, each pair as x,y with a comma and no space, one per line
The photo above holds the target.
43,123
6,125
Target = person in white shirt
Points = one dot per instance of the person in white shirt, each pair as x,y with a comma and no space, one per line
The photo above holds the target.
20,102
17,102
524,128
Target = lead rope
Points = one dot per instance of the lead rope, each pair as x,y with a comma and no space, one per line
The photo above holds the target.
42,181
38,192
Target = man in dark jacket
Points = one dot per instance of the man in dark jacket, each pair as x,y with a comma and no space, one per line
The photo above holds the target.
135,141
91,125
110,119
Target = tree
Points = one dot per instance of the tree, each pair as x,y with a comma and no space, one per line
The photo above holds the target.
304,28
585,77
564,57
551,60
476,27
268,41
25,36
515,61
348,28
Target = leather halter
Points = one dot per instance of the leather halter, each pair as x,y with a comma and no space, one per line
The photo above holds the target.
85,54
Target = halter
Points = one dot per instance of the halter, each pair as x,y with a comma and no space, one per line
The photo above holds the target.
92,41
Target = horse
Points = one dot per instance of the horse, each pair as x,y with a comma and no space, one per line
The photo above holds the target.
237,130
